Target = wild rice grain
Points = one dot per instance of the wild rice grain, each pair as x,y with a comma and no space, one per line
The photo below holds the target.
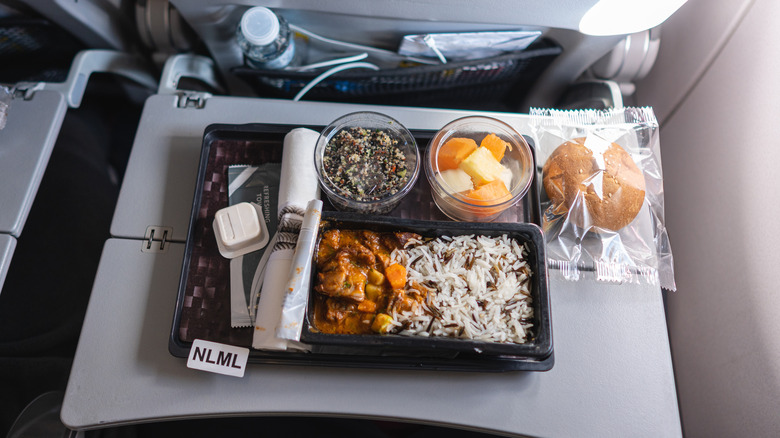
478,288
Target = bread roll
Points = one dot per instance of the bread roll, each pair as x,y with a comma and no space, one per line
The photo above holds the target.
599,186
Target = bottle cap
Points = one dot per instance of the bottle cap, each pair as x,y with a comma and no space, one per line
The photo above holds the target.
260,25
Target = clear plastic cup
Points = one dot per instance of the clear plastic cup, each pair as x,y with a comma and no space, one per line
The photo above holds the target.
366,162
456,202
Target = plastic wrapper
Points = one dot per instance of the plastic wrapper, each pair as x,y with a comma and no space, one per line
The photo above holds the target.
602,194
297,297
466,45
5,102
297,187
260,185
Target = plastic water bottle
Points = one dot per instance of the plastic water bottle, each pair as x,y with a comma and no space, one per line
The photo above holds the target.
265,39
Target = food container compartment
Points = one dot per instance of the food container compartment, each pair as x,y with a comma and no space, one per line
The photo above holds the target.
371,169
539,344
473,178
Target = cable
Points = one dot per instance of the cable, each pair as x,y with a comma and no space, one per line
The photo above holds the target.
329,62
334,70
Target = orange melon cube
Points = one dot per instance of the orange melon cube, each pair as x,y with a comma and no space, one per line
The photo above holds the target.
454,151
495,145
494,192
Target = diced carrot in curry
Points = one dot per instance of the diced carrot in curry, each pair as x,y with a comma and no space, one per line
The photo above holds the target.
454,151
367,306
396,275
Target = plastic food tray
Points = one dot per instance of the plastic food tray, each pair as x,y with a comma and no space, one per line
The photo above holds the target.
539,345
203,300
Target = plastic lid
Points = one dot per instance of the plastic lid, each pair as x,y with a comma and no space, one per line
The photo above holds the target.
260,25
239,230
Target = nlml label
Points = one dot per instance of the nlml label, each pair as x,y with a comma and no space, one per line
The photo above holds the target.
218,358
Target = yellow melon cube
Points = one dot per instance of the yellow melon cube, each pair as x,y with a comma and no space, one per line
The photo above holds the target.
482,166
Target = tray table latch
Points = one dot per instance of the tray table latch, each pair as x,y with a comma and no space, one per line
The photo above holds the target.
156,239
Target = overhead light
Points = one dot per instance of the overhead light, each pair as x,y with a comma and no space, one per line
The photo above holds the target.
622,17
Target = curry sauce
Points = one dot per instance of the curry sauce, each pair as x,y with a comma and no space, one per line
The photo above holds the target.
357,285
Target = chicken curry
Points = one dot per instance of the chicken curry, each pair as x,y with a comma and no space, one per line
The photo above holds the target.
358,287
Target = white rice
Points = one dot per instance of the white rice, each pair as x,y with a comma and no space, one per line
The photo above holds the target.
478,288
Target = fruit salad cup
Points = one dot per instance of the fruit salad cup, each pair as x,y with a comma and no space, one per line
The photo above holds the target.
478,167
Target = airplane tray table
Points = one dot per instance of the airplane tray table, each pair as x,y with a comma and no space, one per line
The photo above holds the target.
203,302
611,341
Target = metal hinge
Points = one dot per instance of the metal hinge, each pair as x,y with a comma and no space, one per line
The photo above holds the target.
191,66
156,239
25,90
191,99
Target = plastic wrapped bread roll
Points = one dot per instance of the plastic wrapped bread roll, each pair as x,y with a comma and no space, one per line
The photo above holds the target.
596,181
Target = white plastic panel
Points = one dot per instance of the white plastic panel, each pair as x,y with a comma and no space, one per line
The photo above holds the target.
25,147
564,14
383,23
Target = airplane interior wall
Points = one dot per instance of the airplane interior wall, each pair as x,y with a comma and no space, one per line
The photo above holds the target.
715,87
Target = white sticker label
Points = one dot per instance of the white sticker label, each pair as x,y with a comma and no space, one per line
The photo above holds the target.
218,358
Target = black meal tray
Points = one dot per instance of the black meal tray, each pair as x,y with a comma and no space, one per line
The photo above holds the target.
539,344
203,301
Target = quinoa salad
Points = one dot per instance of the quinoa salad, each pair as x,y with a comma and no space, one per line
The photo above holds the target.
365,164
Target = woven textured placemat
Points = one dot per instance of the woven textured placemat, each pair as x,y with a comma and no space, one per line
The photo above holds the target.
205,312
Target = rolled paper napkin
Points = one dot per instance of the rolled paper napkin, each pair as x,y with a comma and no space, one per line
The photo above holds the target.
298,185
